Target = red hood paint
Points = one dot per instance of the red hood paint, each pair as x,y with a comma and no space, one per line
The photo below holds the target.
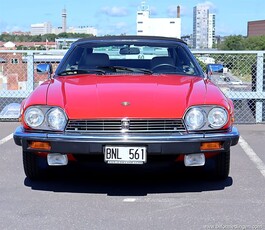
163,96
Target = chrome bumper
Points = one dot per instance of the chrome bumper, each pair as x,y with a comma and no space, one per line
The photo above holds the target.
156,143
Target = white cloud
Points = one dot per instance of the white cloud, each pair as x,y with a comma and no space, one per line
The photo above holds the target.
209,4
172,11
120,25
153,11
115,11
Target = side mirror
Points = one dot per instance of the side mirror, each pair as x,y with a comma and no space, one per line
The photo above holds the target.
209,71
45,69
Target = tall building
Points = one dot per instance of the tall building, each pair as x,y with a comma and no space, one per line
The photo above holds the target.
168,27
211,30
41,28
64,27
203,27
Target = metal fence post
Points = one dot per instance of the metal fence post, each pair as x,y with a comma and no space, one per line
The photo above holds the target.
30,72
259,85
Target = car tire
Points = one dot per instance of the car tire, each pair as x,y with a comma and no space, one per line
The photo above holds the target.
35,167
222,165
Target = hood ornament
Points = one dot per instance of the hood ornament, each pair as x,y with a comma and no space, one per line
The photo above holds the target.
125,103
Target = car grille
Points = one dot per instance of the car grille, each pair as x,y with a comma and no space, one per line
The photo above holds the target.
134,125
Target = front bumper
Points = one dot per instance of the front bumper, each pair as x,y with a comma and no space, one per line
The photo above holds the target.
156,143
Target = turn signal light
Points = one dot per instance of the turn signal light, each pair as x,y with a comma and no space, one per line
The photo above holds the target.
40,145
211,146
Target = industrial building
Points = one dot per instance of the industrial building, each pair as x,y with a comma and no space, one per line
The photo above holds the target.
256,28
169,27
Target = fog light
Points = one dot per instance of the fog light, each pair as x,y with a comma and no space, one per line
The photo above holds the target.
57,159
197,159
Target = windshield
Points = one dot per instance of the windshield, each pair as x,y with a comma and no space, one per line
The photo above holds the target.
129,59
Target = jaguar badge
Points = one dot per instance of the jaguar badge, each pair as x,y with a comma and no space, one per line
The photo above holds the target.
125,125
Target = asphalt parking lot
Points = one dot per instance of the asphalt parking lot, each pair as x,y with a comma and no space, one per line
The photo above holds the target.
81,198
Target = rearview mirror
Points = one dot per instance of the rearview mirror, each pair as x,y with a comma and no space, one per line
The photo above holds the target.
129,50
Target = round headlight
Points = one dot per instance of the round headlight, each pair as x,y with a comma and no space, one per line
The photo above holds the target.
217,117
195,118
56,119
34,117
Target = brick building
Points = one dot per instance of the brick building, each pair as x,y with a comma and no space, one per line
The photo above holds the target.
256,28
13,71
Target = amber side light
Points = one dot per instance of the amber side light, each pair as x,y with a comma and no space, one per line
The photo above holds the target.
40,145
211,145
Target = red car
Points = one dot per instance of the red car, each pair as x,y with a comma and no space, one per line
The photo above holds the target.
126,100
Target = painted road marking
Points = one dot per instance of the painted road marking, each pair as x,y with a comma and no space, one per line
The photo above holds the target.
252,155
6,139
129,200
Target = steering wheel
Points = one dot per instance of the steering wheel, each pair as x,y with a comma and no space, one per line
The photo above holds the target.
166,65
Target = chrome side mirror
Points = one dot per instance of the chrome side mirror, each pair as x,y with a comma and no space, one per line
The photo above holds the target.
45,68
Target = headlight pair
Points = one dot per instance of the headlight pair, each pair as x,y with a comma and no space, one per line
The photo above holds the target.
205,118
45,118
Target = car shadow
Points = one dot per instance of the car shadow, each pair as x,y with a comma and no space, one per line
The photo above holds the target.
124,181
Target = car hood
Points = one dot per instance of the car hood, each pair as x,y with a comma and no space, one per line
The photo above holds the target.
132,96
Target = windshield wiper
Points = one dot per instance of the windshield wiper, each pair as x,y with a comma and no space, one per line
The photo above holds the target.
133,70
81,71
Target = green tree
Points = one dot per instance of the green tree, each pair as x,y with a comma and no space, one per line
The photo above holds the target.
234,42
255,43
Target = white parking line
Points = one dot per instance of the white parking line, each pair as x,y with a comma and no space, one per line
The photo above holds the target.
6,139
252,155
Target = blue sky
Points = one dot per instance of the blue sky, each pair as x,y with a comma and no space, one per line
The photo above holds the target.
119,16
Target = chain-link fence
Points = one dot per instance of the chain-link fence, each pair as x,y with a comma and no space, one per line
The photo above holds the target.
18,77
240,77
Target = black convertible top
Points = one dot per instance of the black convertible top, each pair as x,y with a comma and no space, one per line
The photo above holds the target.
128,38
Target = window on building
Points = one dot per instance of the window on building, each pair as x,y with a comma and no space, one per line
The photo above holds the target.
14,61
140,22
140,13
140,31
172,22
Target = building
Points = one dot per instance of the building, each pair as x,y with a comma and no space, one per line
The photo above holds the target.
200,27
211,30
64,43
203,27
256,28
41,28
46,28
188,39
64,21
169,27
83,30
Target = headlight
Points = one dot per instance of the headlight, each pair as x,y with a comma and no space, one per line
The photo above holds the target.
195,118
56,119
34,117
45,118
217,117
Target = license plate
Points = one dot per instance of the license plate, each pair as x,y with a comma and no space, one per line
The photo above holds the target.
124,155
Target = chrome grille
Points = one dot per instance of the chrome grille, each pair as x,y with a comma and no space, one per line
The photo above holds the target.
135,125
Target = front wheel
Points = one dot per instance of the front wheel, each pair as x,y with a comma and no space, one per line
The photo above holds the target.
222,165
35,167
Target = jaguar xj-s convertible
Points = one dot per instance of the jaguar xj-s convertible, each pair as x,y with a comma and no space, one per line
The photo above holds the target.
128,100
